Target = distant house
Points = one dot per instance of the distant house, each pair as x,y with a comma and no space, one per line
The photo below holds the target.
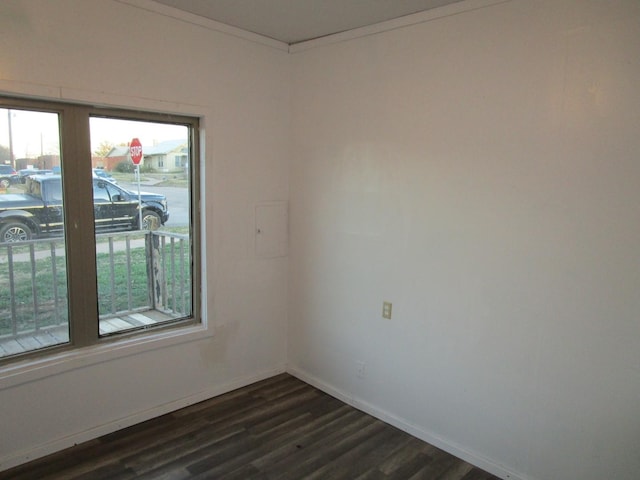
169,156
165,157
115,156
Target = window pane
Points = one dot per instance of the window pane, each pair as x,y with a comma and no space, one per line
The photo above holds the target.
144,274
33,279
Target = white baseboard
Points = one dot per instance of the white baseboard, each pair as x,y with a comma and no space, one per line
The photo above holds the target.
418,432
38,451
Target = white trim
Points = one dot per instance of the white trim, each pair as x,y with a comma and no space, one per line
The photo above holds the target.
418,432
203,22
36,368
38,91
56,445
401,22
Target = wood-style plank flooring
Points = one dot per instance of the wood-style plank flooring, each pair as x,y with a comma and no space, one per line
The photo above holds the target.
280,428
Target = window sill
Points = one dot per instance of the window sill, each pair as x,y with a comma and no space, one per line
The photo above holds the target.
33,369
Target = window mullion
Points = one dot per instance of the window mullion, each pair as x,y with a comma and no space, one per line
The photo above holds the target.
79,229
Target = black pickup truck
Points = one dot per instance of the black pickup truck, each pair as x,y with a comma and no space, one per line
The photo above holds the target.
38,212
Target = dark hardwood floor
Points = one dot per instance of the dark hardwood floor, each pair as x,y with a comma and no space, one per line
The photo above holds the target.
280,428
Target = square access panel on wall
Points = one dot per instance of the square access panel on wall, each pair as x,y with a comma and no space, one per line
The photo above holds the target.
271,229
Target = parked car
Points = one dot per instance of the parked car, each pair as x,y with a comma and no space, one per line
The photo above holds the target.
38,212
8,176
100,173
26,172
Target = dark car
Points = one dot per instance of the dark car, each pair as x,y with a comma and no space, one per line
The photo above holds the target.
38,213
8,176
117,209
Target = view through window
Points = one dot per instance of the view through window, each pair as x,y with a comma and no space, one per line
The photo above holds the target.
33,276
134,189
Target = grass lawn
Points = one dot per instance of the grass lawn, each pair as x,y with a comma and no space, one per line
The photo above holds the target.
46,285
113,294
158,179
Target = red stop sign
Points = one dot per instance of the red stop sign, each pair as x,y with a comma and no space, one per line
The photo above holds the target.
135,149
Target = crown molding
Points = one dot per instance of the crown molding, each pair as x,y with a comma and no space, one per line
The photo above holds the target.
203,22
401,22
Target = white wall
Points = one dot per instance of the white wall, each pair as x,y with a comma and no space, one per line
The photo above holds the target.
116,53
481,172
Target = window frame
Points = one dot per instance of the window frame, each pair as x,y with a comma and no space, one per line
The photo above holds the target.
75,149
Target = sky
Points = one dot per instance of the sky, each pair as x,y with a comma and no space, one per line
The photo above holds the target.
36,133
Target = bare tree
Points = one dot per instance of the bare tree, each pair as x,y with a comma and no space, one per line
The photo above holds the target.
103,149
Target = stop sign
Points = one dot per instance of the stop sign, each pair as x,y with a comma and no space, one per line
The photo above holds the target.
135,149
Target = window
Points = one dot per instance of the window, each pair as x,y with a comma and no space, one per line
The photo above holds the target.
87,254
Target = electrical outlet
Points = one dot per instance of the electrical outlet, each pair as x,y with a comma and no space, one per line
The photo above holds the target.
386,310
360,369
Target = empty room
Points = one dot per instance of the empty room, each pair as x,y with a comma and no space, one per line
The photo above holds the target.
420,216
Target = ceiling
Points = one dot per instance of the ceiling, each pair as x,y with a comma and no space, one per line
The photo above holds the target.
294,21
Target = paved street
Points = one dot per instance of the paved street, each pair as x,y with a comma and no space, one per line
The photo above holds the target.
177,198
